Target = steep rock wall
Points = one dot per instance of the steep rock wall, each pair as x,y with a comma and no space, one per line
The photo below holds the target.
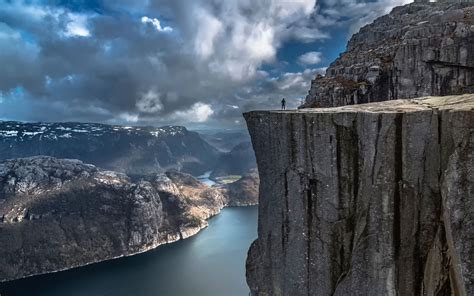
372,199
417,50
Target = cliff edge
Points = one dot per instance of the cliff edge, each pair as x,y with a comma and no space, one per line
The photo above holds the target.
371,199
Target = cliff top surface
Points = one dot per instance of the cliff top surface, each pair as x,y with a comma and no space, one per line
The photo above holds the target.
456,103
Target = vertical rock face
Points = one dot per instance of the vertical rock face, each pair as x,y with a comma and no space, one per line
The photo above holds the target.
417,50
373,199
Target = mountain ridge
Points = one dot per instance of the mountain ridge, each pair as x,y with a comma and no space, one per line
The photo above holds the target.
136,150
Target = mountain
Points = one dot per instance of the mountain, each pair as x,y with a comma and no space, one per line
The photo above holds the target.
57,214
131,150
243,192
371,199
225,140
417,50
239,161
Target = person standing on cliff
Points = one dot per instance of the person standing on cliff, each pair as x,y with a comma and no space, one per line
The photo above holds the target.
283,104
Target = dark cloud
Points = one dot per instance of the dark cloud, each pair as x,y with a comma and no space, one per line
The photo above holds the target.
156,62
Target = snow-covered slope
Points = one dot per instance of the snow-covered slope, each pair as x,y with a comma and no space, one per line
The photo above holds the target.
133,150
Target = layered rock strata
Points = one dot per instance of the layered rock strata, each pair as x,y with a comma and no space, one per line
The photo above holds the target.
371,199
417,50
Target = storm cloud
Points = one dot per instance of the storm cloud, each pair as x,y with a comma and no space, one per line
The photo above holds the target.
163,62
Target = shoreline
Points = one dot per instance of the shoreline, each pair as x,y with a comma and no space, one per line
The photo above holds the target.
182,234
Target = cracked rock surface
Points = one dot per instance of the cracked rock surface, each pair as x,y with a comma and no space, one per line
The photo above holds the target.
370,199
417,50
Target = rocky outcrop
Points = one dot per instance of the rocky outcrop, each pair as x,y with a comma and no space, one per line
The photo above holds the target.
57,214
243,192
186,200
372,199
417,50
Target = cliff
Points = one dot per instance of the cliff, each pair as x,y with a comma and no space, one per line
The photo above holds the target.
417,50
371,199
57,214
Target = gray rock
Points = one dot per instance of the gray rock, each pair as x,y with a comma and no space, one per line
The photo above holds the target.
243,192
417,50
371,199
58,214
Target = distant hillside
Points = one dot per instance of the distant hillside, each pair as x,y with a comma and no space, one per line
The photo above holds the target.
132,150
225,140
238,161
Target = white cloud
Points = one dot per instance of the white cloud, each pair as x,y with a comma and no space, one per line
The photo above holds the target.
199,112
288,9
310,58
307,34
208,29
71,24
236,39
129,117
77,26
355,14
156,23
150,102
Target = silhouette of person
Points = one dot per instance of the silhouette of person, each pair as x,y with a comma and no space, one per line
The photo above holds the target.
283,104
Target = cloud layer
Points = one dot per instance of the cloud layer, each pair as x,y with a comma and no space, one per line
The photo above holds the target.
310,58
162,62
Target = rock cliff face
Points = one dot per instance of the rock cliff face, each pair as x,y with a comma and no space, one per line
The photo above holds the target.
372,199
57,214
417,50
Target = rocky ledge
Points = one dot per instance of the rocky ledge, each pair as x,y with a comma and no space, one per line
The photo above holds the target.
371,199
417,50
57,214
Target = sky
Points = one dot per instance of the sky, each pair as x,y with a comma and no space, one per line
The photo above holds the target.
198,63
